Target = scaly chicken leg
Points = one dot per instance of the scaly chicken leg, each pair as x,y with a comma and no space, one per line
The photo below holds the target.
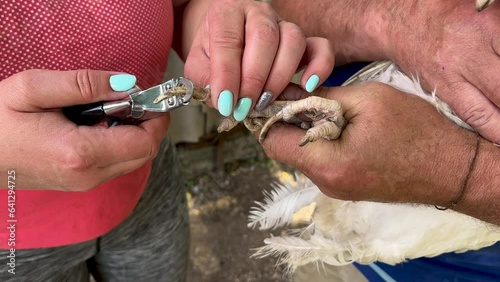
323,117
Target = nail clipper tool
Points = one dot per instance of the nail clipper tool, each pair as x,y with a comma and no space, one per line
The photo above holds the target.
140,105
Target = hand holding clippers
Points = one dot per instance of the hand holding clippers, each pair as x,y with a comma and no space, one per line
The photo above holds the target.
140,104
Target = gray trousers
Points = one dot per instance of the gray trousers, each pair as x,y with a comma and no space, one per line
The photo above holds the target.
152,244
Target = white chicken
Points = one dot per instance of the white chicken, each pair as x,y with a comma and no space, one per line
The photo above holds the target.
343,232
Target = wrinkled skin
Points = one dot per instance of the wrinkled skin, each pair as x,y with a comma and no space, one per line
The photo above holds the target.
395,148
459,56
447,44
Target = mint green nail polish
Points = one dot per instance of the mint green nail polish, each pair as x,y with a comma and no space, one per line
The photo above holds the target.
225,103
242,109
122,82
312,83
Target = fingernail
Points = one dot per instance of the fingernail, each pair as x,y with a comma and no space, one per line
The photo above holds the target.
225,103
264,100
207,87
312,83
242,109
122,82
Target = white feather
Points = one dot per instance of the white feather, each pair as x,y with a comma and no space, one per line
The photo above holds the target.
341,232
294,251
281,203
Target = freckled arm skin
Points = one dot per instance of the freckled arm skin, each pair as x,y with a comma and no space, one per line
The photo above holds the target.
355,27
482,197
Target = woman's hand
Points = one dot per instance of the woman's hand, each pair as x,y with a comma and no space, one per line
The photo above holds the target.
50,152
248,54
395,148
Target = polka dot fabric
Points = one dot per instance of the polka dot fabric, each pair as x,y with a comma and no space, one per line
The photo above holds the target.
125,36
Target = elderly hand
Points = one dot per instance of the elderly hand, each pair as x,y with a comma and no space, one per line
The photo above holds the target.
456,51
396,148
248,55
447,44
50,152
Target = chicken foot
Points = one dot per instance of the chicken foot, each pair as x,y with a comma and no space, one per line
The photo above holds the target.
324,117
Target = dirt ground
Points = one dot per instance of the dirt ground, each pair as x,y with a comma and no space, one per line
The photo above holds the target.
224,177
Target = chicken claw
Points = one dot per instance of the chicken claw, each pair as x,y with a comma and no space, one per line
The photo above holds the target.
326,130
255,119
227,124
326,115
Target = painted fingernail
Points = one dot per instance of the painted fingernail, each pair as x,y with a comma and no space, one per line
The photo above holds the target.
225,103
242,109
122,82
312,83
264,100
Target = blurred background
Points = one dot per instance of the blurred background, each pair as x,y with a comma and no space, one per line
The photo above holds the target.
225,173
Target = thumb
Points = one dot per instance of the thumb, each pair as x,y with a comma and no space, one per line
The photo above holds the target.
44,89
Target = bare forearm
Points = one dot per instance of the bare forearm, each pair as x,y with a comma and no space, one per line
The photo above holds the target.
355,27
454,173
482,194
472,180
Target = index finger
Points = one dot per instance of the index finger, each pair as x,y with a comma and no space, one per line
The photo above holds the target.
226,39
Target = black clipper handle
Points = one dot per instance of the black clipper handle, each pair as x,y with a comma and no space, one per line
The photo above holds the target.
89,114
